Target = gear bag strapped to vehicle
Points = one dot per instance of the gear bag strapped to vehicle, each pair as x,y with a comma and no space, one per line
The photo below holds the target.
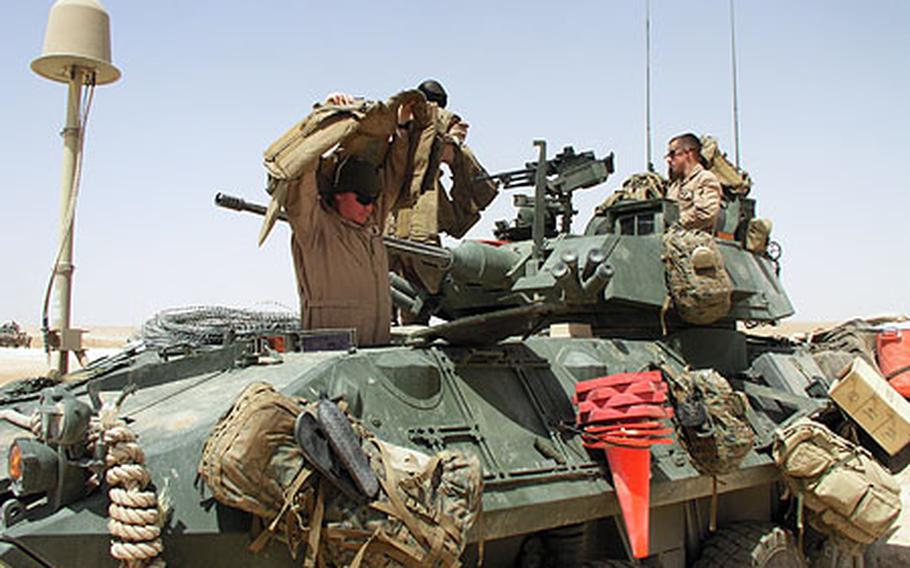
420,516
697,281
851,496
712,420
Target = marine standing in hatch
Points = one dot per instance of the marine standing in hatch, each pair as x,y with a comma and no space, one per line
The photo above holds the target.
695,189
337,211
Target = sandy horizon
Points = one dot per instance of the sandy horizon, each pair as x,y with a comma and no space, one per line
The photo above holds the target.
101,340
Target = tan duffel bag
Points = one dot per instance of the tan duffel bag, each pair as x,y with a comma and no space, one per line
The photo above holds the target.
851,496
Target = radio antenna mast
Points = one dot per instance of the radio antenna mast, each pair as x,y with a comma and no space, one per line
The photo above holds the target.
735,89
648,83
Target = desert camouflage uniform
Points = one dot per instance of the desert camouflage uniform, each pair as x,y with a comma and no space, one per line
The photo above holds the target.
698,196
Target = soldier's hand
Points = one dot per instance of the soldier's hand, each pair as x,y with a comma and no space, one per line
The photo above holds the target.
448,153
338,98
405,113
459,130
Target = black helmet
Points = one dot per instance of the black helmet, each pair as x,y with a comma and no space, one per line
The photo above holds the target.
434,92
357,176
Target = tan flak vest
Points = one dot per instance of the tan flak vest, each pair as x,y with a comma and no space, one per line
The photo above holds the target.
433,211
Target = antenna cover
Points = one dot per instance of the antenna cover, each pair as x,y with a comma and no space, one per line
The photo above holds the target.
78,34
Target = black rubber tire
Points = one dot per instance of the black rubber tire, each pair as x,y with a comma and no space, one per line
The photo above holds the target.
555,548
757,545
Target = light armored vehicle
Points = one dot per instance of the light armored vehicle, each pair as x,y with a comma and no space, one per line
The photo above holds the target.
11,335
495,379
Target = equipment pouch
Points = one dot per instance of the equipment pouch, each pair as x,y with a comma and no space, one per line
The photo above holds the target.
696,278
718,443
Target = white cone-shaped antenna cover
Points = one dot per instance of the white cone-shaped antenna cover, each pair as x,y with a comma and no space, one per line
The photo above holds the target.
78,34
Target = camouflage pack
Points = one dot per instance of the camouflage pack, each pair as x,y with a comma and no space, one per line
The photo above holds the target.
637,187
852,498
696,278
421,517
835,348
712,421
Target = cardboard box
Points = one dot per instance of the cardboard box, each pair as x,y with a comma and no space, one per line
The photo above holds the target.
570,330
874,404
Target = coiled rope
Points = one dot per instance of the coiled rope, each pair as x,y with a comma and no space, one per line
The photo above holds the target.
136,515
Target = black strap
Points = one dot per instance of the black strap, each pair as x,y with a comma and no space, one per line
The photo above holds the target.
897,372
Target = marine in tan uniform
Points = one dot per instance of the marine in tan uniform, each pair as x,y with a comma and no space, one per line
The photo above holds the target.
337,211
695,189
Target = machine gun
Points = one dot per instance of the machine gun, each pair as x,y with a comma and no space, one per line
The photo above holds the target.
562,175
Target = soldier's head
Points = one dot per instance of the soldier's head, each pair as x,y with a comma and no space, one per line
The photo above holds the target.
355,187
434,92
683,153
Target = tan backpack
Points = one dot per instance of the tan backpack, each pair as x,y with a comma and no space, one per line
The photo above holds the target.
637,187
362,128
696,278
420,517
729,176
851,496
251,459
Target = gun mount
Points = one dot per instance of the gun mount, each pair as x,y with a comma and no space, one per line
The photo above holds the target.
561,176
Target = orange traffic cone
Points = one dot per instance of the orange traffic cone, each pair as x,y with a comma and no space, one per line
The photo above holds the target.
631,470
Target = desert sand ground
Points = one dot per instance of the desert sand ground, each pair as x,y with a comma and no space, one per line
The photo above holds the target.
103,340
19,363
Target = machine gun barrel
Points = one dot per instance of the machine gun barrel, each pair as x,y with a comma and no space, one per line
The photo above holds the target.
567,172
514,178
434,255
240,204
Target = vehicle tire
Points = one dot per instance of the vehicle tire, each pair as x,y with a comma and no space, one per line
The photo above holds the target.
554,548
758,545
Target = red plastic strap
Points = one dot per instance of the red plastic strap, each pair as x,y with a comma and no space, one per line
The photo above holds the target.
634,411
583,387
598,428
611,442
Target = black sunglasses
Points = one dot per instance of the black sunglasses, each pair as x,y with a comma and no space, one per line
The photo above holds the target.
674,153
365,199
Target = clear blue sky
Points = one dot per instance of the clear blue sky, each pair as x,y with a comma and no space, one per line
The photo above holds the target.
208,85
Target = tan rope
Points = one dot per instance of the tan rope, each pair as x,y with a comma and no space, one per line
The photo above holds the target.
136,517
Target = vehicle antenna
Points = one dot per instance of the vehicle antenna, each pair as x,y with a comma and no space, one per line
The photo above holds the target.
648,83
77,52
735,89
